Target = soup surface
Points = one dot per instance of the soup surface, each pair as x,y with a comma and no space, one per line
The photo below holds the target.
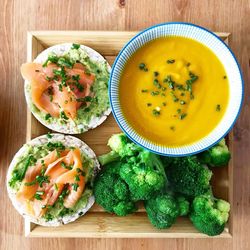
173,91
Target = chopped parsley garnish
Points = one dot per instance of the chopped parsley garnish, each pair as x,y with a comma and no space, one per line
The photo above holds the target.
156,112
63,115
156,73
55,145
218,108
78,170
172,128
18,174
157,84
47,116
56,187
88,98
153,93
182,116
62,61
188,64
75,186
77,178
63,164
48,217
142,66
49,135
149,104
75,46
51,58
170,61
182,102
175,99
164,104
144,90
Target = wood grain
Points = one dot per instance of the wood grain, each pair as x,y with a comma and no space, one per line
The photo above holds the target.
19,16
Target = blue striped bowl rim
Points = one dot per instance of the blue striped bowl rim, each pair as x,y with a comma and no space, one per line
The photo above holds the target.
224,54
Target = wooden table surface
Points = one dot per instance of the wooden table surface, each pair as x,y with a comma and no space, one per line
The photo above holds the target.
17,17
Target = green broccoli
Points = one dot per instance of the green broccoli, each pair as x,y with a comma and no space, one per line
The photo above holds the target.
144,175
188,177
112,193
163,209
209,215
121,144
216,156
109,157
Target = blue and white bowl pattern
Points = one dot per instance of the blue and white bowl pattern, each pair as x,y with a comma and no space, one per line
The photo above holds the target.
224,54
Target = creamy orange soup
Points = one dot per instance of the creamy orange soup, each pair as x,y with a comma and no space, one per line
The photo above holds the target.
173,91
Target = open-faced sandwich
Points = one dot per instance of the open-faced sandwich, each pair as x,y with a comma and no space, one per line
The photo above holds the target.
50,179
66,88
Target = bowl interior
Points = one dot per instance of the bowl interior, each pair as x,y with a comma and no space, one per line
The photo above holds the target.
218,47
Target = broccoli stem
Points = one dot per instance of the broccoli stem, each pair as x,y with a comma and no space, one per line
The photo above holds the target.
109,157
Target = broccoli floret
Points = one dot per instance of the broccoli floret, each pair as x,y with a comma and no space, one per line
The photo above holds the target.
109,157
216,156
209,215
144,175
121,144
111,192
183,205
163,209
189,177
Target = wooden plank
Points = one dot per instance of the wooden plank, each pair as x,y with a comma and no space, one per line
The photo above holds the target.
100,225
97,140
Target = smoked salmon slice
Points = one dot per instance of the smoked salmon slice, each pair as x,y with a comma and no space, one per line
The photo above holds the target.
55,89
62,171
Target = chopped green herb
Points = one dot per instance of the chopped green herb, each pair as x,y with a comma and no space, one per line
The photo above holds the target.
38,194
49,135
224,77
218,107
153,93
43,206
156,73
188,64
182,102
149,104
87,98
142,66
42,179
144,90
178,111
47,116
55,145
63,115
75,46
77,178
66,166
182,94
172,128
175,99
62,61
75,186
182,116
164,104
51,58
156,112
48,217
170,61
56,187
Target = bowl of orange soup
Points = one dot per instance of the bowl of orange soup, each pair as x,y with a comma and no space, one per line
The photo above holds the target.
176,89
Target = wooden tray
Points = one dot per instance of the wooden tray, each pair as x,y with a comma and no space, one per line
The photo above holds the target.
97,223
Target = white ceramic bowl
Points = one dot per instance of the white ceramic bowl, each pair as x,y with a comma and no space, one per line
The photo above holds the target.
226,57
